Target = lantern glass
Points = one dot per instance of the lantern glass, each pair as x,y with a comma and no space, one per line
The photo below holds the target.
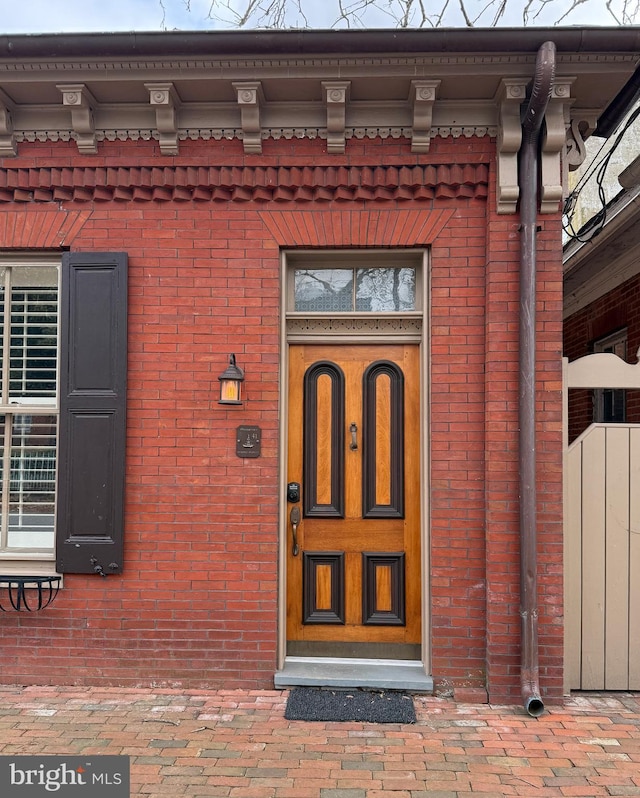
229,392
231,384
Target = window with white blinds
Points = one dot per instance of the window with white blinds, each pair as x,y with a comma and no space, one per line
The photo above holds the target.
28,406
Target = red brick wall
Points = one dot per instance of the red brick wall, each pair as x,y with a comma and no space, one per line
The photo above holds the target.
615,310
457,450
197,603
549,456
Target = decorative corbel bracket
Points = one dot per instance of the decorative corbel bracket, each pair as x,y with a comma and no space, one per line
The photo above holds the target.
553,146
583,123
423,95
81,103
8,145
250,98
509,97
336,95
164,99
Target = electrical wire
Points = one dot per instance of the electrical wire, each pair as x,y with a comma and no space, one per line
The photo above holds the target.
599,168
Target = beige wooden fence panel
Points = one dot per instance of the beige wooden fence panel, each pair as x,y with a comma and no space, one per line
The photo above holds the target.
634,569
602,540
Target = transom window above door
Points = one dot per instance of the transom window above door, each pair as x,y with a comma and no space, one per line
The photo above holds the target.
377,282
355,295
374,289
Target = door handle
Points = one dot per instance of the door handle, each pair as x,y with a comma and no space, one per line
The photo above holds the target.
353,429
294,517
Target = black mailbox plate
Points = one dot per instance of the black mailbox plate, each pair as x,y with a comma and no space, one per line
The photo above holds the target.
248,441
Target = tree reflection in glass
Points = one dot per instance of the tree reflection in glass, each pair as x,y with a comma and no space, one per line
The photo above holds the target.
383,290
373,290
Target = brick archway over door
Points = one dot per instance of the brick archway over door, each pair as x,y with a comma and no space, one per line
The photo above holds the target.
375,228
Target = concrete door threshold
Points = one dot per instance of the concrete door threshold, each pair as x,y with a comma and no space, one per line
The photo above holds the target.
386,674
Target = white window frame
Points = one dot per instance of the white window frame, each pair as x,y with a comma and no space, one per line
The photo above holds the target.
26,561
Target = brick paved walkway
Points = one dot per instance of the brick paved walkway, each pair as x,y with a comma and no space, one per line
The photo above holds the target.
238,744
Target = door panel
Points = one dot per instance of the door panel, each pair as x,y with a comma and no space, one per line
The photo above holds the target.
354,447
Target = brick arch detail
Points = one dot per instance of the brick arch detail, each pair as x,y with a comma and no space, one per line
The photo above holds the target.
366,228
40,229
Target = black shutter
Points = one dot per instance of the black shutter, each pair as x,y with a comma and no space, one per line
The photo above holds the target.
91,443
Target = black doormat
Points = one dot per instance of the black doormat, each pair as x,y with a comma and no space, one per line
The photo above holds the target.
313,703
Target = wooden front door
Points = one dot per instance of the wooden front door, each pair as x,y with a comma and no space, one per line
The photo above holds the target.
353,538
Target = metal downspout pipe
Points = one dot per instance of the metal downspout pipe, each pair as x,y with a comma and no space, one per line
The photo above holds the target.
531,126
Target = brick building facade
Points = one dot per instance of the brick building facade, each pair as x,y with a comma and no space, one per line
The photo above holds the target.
251,161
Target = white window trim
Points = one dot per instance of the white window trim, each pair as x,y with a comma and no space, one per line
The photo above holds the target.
20,561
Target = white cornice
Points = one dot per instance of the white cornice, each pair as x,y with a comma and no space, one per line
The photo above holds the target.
417,96
8,144
363,119
218,134
313,61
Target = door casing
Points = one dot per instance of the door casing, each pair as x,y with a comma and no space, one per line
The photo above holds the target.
394,328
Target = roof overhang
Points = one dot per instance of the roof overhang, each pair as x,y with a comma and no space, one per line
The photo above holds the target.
469,63
596,266
337,85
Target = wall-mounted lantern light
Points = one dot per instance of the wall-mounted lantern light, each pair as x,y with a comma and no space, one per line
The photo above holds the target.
231,383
